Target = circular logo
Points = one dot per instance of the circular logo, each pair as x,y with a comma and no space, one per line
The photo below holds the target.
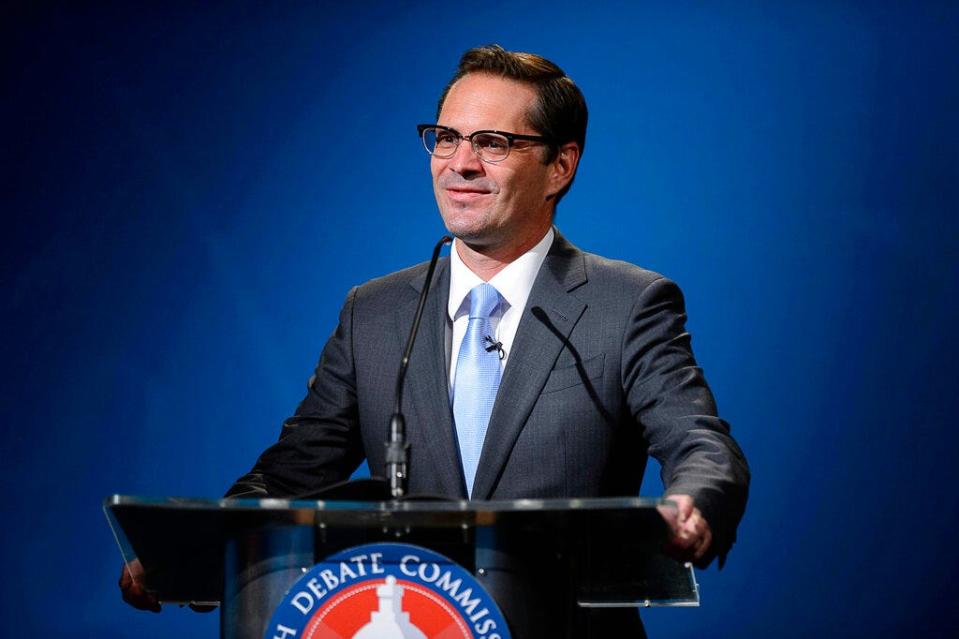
387,591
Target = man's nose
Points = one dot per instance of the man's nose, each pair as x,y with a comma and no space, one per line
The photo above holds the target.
465,161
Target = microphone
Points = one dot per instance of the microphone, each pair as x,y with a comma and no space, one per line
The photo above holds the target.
397,448
494,345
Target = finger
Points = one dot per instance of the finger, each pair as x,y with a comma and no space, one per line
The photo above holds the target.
682,547
202,607
703,546
691,531
670,516
135,594
141,599
690,541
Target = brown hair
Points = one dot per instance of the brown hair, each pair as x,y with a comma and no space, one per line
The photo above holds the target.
559,112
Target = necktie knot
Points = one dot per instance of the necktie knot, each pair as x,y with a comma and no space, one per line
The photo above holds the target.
484,298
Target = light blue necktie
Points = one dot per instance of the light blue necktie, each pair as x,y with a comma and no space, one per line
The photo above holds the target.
477,378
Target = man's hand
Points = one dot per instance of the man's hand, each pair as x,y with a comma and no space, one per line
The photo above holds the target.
131,586
691,536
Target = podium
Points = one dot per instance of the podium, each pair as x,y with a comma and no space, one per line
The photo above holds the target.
554,567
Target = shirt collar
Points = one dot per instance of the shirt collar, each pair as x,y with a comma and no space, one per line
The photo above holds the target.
514,282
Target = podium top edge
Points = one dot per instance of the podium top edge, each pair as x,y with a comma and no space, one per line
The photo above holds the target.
272,504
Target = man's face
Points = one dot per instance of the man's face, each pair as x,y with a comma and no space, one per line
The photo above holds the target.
492,205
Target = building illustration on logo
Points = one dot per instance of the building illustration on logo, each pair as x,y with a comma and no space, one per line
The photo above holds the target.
390,621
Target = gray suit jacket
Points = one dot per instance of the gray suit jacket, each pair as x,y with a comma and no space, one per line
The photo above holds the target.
600,374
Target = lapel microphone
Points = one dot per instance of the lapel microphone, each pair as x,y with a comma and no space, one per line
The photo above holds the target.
397,448
494,345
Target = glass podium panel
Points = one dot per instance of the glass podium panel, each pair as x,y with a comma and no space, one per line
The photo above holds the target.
606,552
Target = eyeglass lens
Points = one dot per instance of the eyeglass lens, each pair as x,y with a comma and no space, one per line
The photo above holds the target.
489,146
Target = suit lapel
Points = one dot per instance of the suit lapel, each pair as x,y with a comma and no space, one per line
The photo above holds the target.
550,315
427,385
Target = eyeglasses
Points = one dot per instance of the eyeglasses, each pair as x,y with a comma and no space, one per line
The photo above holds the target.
489,146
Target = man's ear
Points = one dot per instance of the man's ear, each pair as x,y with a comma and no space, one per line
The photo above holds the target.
563,167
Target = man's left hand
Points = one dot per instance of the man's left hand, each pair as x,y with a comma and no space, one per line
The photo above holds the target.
691,535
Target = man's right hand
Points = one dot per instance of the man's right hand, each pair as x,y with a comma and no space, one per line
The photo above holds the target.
132,588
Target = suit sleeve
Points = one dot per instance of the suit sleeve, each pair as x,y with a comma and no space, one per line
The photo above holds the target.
668,396
320,444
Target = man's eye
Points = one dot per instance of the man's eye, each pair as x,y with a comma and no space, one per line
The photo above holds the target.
445,138
492,142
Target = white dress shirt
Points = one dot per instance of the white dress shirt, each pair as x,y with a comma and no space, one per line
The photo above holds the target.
514,283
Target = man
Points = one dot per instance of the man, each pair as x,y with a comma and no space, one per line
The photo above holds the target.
591,365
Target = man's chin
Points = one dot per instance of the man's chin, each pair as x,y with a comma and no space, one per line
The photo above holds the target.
468,228
473,239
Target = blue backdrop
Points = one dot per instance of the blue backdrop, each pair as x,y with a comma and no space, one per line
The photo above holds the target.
190,191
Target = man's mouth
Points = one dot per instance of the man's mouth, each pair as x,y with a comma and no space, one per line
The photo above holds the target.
461,191
465,195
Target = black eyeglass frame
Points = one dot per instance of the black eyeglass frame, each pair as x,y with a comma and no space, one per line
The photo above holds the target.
511,138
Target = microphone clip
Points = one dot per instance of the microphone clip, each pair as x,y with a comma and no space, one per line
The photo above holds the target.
494,345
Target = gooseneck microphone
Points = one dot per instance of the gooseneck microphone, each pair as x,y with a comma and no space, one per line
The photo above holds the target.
397,448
